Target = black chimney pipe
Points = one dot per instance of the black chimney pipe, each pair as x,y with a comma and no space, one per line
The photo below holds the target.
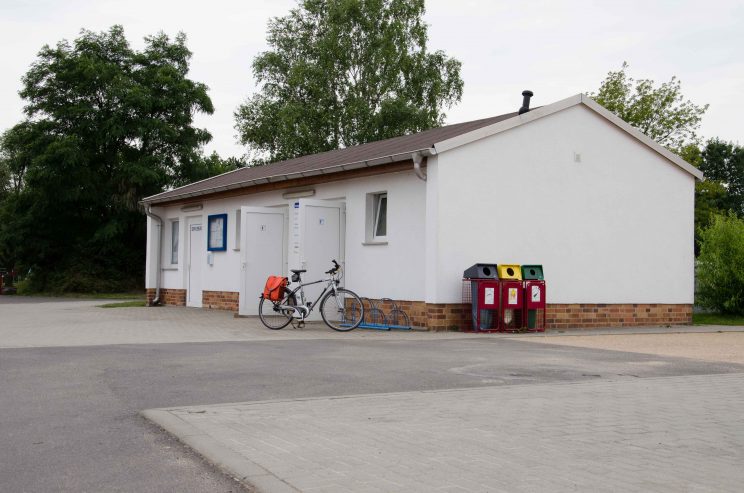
526,101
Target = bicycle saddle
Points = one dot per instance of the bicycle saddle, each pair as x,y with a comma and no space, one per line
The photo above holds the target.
298,271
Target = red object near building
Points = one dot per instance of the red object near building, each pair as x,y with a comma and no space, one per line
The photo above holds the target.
535,305
512,304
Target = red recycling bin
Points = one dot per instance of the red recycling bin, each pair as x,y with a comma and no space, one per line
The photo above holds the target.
512,304
535,305
485,316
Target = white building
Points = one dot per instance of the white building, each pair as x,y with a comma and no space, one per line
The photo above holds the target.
607,211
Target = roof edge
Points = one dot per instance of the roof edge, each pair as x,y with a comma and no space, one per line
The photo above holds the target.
336,168
619,122
561,105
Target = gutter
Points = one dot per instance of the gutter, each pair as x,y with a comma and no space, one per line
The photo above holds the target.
158,274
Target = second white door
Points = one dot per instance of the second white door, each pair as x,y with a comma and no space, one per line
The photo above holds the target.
321,241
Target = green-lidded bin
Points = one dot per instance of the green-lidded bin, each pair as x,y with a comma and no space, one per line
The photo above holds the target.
533,272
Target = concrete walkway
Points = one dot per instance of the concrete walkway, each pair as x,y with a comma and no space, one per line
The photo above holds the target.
64,322
67,323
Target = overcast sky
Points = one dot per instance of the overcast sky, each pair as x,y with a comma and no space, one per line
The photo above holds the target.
555,48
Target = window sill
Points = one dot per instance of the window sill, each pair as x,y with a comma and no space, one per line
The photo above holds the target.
374,243
169,268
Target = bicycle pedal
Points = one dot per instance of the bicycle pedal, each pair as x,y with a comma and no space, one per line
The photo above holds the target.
301,324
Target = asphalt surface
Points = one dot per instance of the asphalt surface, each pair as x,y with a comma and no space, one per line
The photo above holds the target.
69,416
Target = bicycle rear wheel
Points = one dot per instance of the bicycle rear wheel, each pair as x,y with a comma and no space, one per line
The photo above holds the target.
274,317
342,310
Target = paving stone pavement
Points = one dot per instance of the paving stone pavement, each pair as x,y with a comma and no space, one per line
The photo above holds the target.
671,434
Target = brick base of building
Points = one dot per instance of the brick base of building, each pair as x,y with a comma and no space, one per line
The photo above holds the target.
220,300
585,316
457,316
167,296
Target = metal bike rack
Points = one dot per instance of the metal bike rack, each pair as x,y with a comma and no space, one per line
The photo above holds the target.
375,318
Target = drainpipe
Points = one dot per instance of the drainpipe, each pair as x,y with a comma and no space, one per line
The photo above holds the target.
148,211
418,157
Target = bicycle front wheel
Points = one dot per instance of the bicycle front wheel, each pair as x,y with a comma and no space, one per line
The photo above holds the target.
274,317
342,310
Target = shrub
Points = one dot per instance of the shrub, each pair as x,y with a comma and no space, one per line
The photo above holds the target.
721,265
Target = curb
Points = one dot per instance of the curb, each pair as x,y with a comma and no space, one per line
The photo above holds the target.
245,471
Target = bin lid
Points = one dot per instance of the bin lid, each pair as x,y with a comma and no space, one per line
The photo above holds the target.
510,271
481,271
532,272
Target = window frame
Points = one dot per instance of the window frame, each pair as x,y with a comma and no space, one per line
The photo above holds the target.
377,202
175,240
223,245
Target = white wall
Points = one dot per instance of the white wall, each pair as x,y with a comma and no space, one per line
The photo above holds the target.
394,270
615,228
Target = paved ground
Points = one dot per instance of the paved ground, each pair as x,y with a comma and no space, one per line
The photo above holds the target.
76,377
723,346
47,322
657,434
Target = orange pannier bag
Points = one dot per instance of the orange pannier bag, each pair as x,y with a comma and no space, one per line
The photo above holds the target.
274,289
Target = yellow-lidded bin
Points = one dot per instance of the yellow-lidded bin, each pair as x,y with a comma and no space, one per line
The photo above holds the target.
510,271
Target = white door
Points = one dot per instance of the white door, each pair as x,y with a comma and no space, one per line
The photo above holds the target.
196,258
322,226
263,252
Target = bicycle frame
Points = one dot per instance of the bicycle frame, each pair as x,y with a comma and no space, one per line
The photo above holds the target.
302,310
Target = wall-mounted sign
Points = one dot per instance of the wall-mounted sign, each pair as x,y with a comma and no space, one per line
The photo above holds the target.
217,233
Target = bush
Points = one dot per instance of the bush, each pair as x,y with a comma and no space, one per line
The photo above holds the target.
80,279
22,288
721,265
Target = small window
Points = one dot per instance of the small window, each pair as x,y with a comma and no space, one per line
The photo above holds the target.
236,240
380,224
217,233
174,242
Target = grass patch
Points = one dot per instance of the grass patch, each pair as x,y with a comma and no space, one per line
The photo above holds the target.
124,304
716,319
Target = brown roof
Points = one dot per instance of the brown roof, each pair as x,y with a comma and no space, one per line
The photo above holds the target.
369,154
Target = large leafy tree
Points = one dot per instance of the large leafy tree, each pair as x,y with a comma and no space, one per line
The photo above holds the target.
661,112
345,72
723,162
722,191
106,125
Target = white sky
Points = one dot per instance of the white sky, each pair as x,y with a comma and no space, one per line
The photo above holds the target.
555,48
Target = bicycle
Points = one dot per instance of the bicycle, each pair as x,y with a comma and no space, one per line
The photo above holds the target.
341,309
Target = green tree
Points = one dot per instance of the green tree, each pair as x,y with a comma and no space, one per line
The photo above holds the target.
345,72
106,125
661,112
720,272
723,162
722,190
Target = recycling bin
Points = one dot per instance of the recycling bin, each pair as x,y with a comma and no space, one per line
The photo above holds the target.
481,289
512,304
534,297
